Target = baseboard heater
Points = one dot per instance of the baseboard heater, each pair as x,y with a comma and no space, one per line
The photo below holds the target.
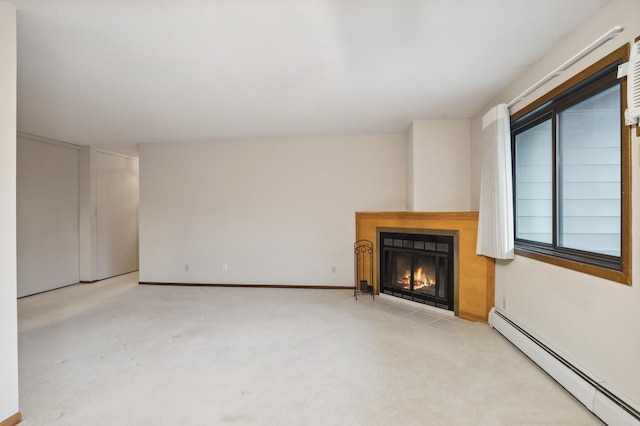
600,401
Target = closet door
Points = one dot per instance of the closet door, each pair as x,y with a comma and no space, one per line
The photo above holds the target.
47,216
117,214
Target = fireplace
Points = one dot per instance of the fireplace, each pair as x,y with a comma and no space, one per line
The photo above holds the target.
418,267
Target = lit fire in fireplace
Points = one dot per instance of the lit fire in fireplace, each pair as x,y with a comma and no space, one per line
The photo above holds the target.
420,279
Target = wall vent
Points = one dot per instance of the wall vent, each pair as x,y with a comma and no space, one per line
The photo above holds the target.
633,82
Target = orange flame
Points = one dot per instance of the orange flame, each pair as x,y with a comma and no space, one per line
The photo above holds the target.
420,279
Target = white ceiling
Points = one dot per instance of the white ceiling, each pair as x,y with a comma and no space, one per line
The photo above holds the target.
121,72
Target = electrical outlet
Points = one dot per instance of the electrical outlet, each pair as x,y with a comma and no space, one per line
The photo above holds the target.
186,267
225,267
504,303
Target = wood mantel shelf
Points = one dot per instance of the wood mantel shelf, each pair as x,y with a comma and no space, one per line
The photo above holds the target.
475,273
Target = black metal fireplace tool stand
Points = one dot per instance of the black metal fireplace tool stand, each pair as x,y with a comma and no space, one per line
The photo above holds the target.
363,266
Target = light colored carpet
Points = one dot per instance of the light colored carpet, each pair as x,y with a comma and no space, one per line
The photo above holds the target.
117,353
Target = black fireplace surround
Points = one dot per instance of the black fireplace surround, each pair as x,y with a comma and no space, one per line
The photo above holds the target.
418,267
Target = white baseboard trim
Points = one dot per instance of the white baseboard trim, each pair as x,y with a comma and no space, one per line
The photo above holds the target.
610,408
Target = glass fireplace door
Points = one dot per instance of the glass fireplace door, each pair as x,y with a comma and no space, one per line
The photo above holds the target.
398,270
418,267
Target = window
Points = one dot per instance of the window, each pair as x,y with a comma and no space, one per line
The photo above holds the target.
572,174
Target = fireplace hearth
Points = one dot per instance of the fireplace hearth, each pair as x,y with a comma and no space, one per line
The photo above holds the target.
418,267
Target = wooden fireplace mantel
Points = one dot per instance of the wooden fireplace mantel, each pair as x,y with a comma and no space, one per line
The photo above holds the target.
475,273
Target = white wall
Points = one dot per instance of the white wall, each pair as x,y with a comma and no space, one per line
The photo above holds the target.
409,165
440,165
117,214
47,185
8,267
592,321
88,214
275,211
475,171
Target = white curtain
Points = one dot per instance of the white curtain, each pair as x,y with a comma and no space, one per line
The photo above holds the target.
495,226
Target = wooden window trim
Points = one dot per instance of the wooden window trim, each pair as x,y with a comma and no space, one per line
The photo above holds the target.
622,276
